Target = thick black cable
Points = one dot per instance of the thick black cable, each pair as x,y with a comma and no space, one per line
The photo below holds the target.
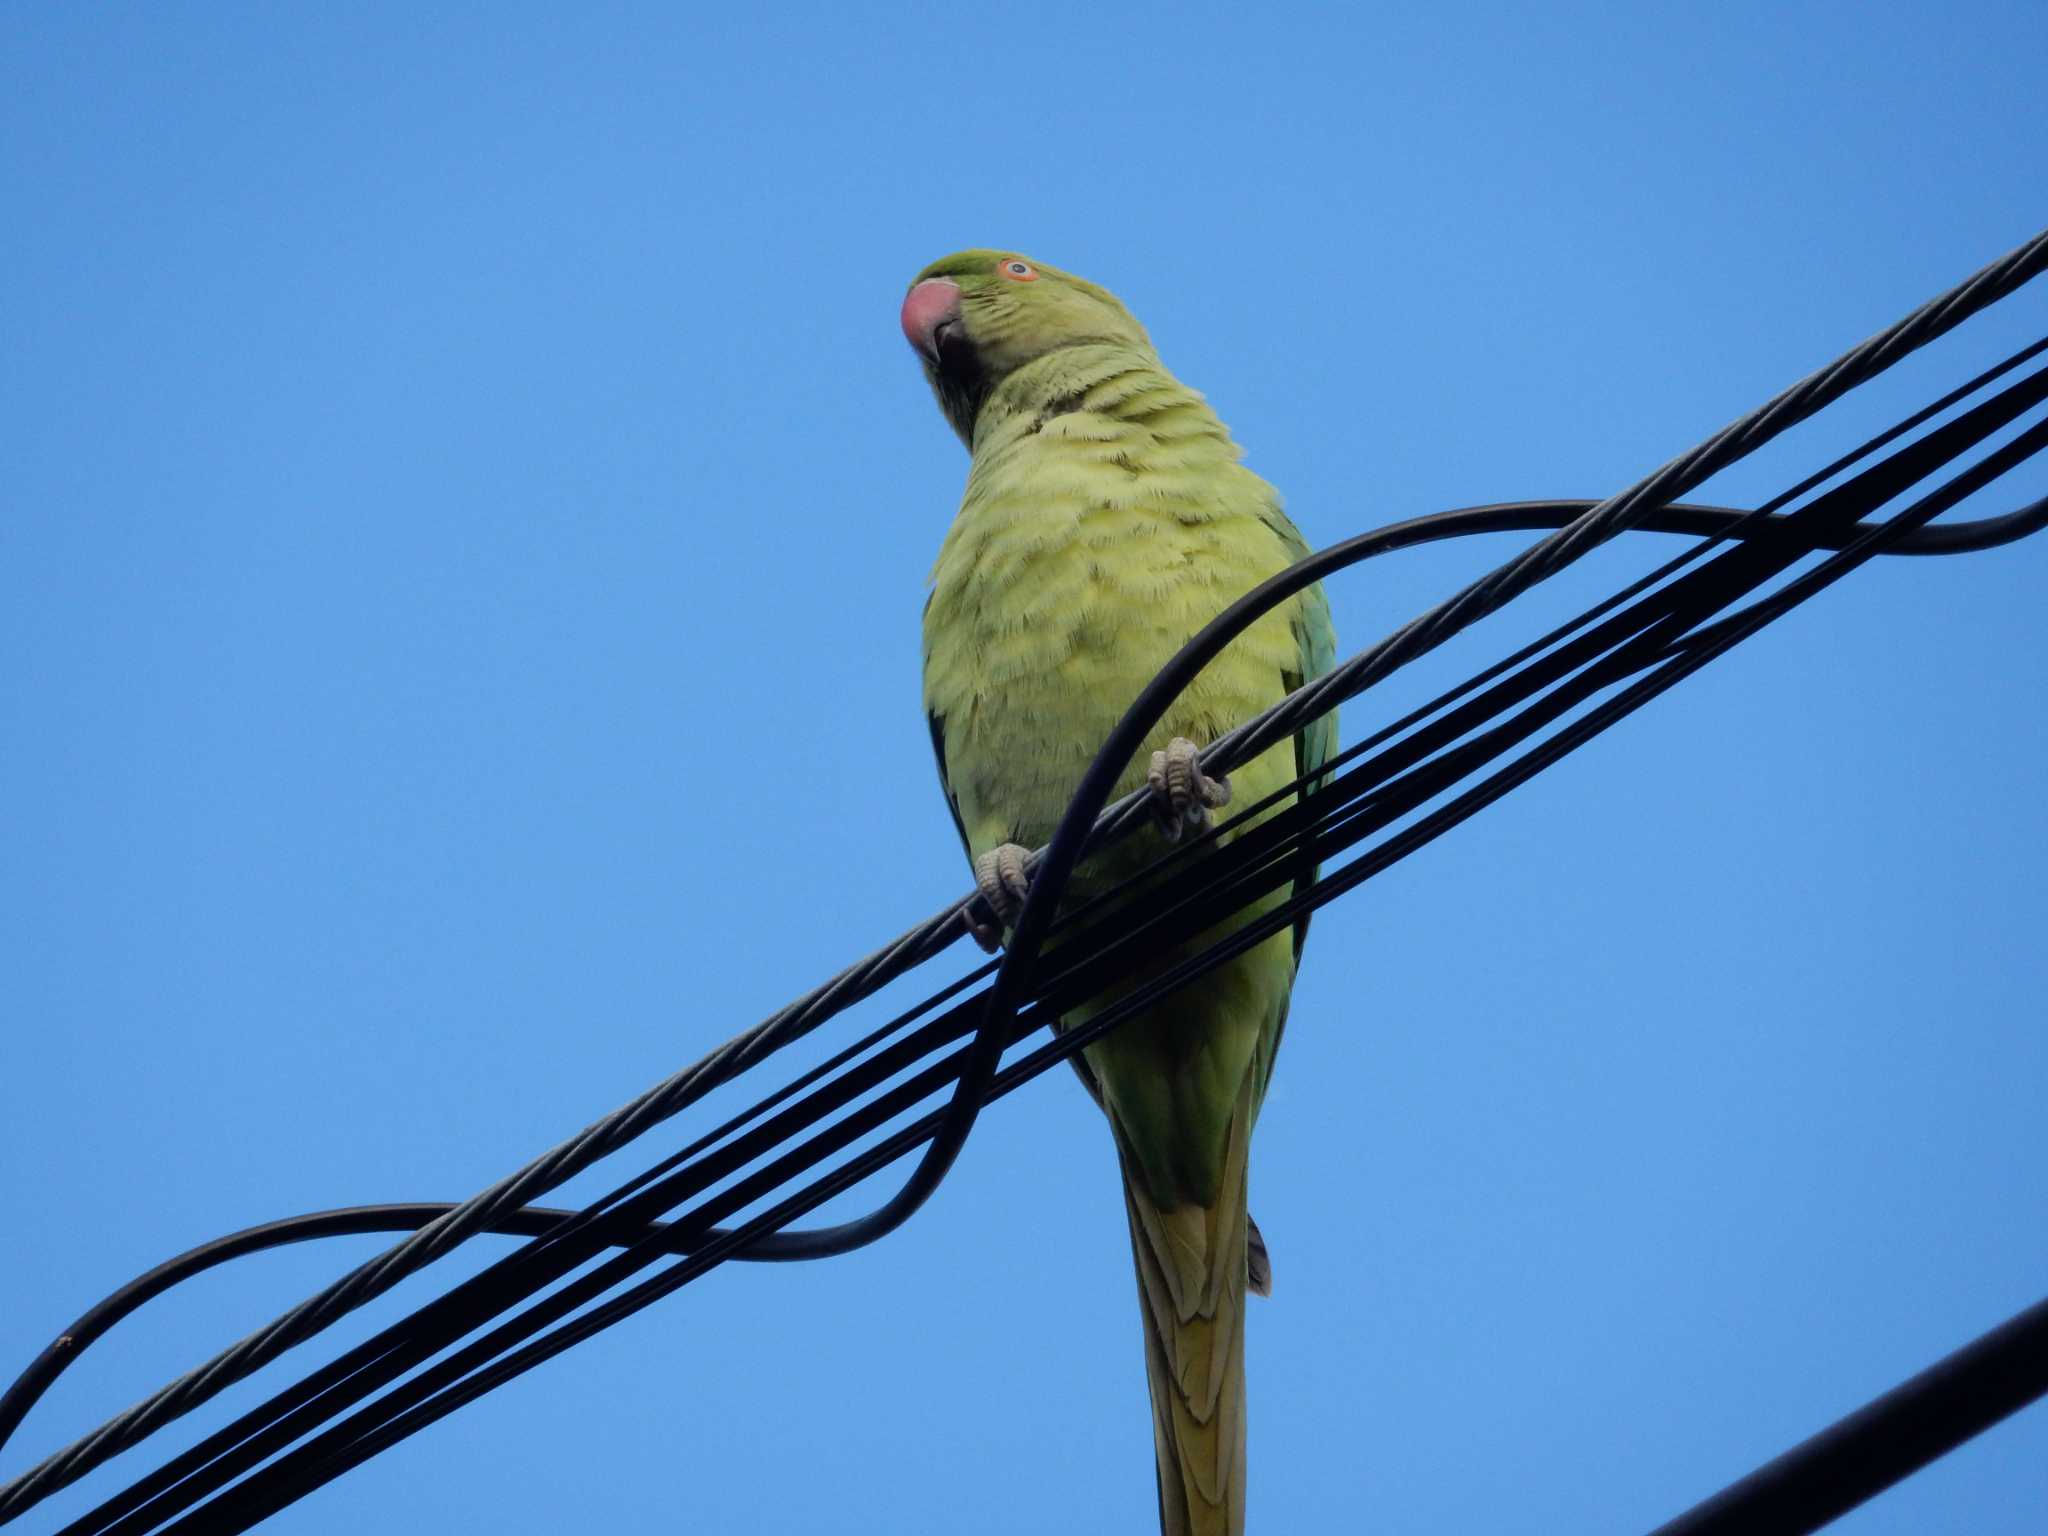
1682,665
1872,357
536,1220
1886,1440
252,1502
531,1221
1679,666
69,1344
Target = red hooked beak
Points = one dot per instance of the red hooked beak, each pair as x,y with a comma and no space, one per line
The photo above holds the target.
930,308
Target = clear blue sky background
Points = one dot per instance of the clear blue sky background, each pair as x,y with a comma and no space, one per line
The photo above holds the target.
466,508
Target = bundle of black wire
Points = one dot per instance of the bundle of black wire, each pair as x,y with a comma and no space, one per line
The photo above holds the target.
1656,640
502,1202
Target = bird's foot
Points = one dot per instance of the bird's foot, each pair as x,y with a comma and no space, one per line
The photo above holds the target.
1004,882
1182,795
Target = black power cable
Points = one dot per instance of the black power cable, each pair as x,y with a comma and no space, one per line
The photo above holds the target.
419,1403
535,1221
467,1374
1886,1440
1543,558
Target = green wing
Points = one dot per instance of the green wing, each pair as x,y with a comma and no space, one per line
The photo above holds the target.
1315,641
938,727
1315,743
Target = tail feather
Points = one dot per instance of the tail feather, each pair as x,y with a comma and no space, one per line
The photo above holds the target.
1194,1265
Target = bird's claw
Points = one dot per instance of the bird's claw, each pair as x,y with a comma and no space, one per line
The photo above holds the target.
1182,795
1004,882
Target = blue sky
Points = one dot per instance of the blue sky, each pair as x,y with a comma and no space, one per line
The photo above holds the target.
466,509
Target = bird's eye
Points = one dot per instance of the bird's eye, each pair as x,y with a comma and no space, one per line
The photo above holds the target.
1017,271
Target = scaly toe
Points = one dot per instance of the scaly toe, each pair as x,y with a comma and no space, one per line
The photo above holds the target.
1182,794
1004,882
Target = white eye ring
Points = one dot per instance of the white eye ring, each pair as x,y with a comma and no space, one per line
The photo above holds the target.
1017,271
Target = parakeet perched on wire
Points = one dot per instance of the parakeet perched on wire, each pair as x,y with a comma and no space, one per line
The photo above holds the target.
1107,519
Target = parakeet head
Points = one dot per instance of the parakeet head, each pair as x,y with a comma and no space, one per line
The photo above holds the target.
976,317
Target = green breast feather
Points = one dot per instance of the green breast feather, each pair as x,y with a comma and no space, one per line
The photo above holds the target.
1106,520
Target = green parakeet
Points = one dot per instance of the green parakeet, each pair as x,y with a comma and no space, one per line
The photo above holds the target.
1106,519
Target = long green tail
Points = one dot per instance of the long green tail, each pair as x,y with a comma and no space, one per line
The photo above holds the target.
1193,1269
